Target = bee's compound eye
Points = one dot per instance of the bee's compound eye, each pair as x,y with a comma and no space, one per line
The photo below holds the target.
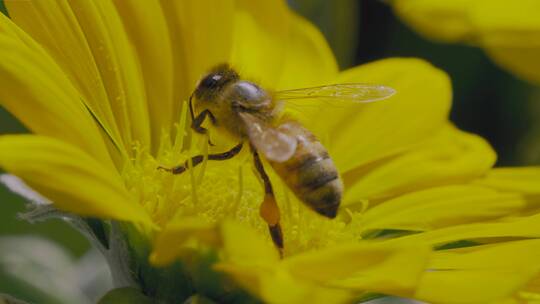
211,81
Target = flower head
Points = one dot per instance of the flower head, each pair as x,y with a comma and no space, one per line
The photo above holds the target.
103,86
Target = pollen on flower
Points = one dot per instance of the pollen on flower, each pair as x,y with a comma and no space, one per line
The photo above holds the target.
216,190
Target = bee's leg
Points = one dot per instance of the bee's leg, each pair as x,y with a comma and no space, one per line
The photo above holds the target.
269,209
197,121
195,160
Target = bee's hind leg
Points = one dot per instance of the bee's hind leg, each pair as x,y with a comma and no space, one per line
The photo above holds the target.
195,160
269,209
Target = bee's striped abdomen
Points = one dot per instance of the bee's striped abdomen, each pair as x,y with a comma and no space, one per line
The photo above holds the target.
311,174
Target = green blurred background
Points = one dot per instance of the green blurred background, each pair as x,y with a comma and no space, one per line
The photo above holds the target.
487,100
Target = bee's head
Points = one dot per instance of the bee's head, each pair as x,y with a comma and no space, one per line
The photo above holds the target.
213,84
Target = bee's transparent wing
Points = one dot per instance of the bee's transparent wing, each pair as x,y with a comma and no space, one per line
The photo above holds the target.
344,92
271,142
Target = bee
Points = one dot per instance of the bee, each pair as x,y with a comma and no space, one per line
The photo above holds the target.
248,113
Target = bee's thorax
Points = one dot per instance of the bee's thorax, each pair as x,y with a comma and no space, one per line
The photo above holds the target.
247,96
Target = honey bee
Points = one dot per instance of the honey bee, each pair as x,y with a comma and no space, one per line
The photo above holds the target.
248,113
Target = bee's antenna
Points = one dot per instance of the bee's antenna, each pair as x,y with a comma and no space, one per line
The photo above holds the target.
191,108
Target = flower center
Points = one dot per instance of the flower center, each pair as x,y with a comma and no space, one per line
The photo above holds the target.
215,190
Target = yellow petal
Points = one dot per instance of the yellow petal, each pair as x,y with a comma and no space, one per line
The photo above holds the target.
248,258
480,275
200,38
526,227
499,23
102,60
276,286
522,61
37,92
309,60
118,66
265,41
171,242
509,32
482,22
69,177
54,25
260,36
242,245
525,179
375,267
278,48
332,275
527,294
149,33
254,264
449,157
441,207
445,20
361,133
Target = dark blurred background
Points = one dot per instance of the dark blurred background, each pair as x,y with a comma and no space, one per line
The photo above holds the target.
487,100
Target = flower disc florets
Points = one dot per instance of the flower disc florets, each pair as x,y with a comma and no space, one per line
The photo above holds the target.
217,190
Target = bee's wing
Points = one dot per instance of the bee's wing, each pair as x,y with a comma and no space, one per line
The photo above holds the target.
344,92
271,142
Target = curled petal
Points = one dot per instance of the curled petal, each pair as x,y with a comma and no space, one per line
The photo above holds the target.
452,156
525,180
443,206
483,274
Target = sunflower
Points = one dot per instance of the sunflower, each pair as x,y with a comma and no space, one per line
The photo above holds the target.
103,86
